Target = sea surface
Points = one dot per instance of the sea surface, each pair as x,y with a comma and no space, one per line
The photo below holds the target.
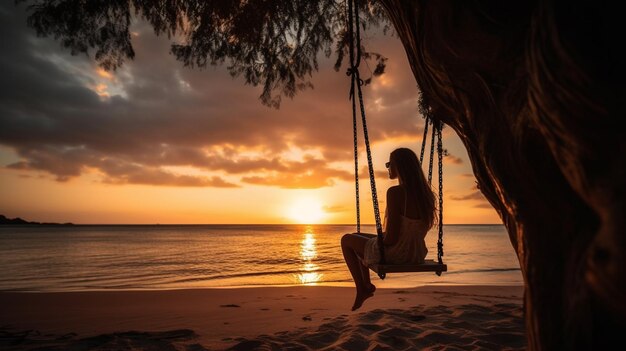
154,257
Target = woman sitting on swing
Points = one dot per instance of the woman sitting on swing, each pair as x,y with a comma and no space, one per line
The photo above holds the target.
409,215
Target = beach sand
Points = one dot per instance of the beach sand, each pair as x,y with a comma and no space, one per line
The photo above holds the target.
278,318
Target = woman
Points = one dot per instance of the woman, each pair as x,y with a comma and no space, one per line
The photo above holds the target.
409,215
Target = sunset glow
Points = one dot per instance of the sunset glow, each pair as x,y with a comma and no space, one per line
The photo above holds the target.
308,253
306,211
157,142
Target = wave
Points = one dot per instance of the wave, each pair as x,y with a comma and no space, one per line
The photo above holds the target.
483,270
241,275
156,257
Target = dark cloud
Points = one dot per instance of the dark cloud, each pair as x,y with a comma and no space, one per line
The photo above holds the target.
115,171
63,116
158,177
449,158
476,195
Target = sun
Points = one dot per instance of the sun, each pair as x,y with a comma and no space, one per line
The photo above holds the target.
306,211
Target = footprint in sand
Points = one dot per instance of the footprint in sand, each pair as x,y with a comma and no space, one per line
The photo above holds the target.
417,318
66,336
307,318
230,305
287,309
265,309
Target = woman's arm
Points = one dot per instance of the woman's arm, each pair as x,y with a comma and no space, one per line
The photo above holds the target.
395,204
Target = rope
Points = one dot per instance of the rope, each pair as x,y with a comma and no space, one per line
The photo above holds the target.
354,65
356,162
440,236
356,81
426,121
432,149
436,132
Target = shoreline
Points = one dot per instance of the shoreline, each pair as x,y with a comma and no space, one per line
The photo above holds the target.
377,282
217,318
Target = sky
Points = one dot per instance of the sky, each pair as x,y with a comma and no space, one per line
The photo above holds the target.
156,142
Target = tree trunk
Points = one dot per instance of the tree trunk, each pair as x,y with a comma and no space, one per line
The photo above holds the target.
533,91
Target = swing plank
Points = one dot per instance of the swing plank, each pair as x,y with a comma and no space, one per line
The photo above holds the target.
427,266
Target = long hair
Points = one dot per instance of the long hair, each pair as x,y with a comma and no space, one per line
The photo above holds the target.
415,183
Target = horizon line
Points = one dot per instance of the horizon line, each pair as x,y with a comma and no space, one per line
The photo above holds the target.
198,224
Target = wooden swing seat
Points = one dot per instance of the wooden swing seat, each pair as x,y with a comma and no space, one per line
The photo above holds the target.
427,266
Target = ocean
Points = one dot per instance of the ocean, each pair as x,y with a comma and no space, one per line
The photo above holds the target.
156,257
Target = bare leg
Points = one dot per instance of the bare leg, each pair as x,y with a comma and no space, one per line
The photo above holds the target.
365,271
353,247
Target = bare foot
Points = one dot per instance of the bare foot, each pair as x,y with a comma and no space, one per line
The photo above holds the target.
372,288
362,296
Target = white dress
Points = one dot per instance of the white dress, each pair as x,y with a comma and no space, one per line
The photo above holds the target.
410,248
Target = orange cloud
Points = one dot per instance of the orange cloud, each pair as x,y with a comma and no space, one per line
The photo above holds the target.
157,177
104,74
337,209
209,126
302,178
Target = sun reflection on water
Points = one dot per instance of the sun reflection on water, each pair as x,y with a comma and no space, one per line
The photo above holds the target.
308,252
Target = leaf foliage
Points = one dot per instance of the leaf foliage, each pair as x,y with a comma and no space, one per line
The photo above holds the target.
271,43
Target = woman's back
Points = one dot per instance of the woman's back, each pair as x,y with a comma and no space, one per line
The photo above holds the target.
410,247
410,208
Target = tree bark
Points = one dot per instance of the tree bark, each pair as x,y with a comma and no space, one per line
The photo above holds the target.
533,91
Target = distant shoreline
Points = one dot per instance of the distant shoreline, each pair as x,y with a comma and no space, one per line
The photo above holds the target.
21,222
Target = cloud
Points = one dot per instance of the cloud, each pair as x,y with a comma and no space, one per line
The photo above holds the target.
115,171
64,116
158,177
378,174
337,209
302,181
476,195
311,173
455,160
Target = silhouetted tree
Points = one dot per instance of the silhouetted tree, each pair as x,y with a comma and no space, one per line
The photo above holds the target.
269,42
533,89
